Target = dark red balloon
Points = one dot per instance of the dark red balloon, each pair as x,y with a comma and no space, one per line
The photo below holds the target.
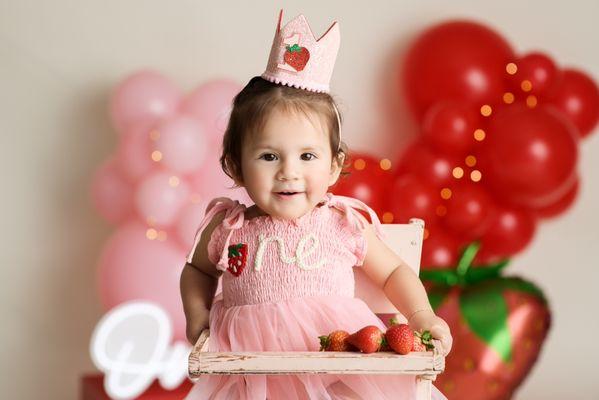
449,127
529,156
456,60
439,249
412,197
537,68
510,231
430,165
469,210
577,96
366,181
561,205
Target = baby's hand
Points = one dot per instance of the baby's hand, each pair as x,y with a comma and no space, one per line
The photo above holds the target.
427,320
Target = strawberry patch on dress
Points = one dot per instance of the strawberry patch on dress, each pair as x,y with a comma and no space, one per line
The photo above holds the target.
237,258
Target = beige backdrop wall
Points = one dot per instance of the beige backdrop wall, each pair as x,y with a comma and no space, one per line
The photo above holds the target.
60,59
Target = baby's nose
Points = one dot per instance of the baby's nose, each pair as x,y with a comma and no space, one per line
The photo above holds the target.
289,170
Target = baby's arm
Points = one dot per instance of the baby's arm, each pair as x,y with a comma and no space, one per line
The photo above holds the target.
403,288
198,283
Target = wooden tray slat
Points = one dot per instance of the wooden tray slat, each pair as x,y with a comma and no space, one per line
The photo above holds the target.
204,362
315,363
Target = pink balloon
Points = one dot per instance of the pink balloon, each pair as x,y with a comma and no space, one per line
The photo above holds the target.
133,267
111,193
212,182
189,220
143,97
134,154
211,103
160,197
181,143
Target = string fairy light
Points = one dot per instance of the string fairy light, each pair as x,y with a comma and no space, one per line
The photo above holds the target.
385,164
387,217
151,233
156,155
458,172
359,164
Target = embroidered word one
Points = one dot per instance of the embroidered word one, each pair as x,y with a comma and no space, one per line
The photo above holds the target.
301,252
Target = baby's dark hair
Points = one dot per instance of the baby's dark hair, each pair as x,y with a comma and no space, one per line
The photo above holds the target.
253,105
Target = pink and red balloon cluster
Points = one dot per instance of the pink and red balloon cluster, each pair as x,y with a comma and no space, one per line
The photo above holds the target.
498,144
156,185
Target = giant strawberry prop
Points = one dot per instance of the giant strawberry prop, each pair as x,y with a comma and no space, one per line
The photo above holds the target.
498,326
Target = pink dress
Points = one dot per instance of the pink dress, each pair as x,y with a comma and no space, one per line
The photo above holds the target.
285,283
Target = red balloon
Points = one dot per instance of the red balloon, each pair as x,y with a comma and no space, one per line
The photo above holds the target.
448,127
468,210
430,165
366,181
561,205
530,154
577,96
537,68
411,197
440,249
457,60
510,231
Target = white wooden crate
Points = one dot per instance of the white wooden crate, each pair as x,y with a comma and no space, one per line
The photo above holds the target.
406,240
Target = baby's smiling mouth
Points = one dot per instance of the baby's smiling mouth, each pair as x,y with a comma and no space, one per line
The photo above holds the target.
287,193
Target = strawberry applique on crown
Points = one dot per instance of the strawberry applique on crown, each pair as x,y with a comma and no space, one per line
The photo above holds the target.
300,60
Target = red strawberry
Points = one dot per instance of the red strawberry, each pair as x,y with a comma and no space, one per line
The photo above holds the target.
423,341
367,339
297,56
335,341
400,338
385,346
237,258
418,345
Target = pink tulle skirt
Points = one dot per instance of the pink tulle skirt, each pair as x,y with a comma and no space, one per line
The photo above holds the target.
294,325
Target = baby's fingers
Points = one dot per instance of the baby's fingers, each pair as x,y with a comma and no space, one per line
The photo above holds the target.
442,337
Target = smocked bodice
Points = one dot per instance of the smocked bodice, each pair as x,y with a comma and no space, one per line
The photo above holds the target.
266,259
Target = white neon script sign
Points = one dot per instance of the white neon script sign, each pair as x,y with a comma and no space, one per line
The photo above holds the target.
131,345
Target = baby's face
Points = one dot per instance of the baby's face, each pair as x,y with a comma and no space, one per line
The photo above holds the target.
287,167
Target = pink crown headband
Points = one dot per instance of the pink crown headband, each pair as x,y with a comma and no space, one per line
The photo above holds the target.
298,59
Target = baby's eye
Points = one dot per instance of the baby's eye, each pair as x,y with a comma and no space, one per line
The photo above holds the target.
268,157
308,156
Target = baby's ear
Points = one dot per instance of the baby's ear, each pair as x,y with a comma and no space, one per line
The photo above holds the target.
336,167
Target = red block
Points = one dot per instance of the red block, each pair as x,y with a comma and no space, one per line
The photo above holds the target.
92,388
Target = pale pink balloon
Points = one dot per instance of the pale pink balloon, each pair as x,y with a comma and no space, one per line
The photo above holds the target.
111,193
211,103
212,182
159,198
134,153
133,267
143,97
181,143
188,222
